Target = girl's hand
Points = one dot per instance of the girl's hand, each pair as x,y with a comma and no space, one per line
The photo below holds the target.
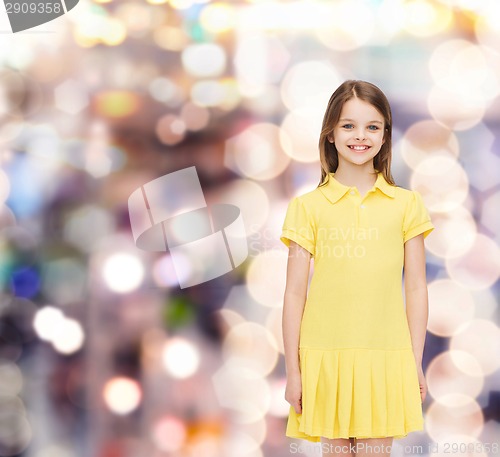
422,382
293,392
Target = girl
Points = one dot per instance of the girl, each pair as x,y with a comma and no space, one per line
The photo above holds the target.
353,353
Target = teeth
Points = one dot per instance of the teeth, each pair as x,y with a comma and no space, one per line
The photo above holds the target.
359,148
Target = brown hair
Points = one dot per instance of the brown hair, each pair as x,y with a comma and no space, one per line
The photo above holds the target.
371,94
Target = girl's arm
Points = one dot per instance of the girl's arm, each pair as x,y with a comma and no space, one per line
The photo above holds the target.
417,307
297,276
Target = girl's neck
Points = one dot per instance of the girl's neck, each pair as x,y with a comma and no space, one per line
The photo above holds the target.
360,177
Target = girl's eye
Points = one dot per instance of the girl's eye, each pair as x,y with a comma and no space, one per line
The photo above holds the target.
347,126
373,127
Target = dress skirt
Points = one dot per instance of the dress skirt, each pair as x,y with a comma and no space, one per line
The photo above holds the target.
363,393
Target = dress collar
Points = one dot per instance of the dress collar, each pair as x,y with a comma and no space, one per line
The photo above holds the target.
333,190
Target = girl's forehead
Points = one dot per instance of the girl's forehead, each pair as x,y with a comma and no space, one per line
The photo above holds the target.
357,107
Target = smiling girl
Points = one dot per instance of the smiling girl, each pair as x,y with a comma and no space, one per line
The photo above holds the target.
353,350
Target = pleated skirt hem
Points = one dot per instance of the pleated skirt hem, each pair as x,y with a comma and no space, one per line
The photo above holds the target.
357,392
316,435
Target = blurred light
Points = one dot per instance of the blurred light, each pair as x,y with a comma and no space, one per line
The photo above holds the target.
455,233
232,96
479,267
66,335
279,406
122,395
166,91
94,155
481,339
259,60
456,415
489,213
218,17
450,306
244,306
7,217
300,130
252,200
11,378
11,129
467,364
425,18
116,103
94,25
229,318
266,103
44,143
427,138
486,26
442,182
171,38
71,96
15,431
464,69
444,378
194,117
256,152
204,60
12,90
309,85
123,272
208,93
64,280
346,31
242,445
481,168
276,16
243,391
389,17
39,172
77,222
4,187
137,17
25,282
115,33
181,4
181,358
170,129
169,433
69,337
55,450
263,281
252,346
453,111
273,323
46,322
164,273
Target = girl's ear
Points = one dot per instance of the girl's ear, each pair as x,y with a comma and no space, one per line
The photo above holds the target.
330,138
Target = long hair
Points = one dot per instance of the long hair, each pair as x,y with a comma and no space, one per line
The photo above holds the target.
371,94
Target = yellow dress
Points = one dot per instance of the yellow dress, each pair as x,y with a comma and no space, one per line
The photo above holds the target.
358,371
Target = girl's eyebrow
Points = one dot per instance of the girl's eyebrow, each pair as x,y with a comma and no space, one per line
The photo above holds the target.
351,120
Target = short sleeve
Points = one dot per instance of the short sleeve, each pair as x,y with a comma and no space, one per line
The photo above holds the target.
416,219
298,226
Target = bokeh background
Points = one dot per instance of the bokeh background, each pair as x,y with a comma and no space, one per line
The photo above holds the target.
101,353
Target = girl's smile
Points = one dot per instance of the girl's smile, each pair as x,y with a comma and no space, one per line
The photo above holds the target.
360,148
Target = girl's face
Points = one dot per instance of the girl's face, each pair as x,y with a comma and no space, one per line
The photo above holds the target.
359,134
